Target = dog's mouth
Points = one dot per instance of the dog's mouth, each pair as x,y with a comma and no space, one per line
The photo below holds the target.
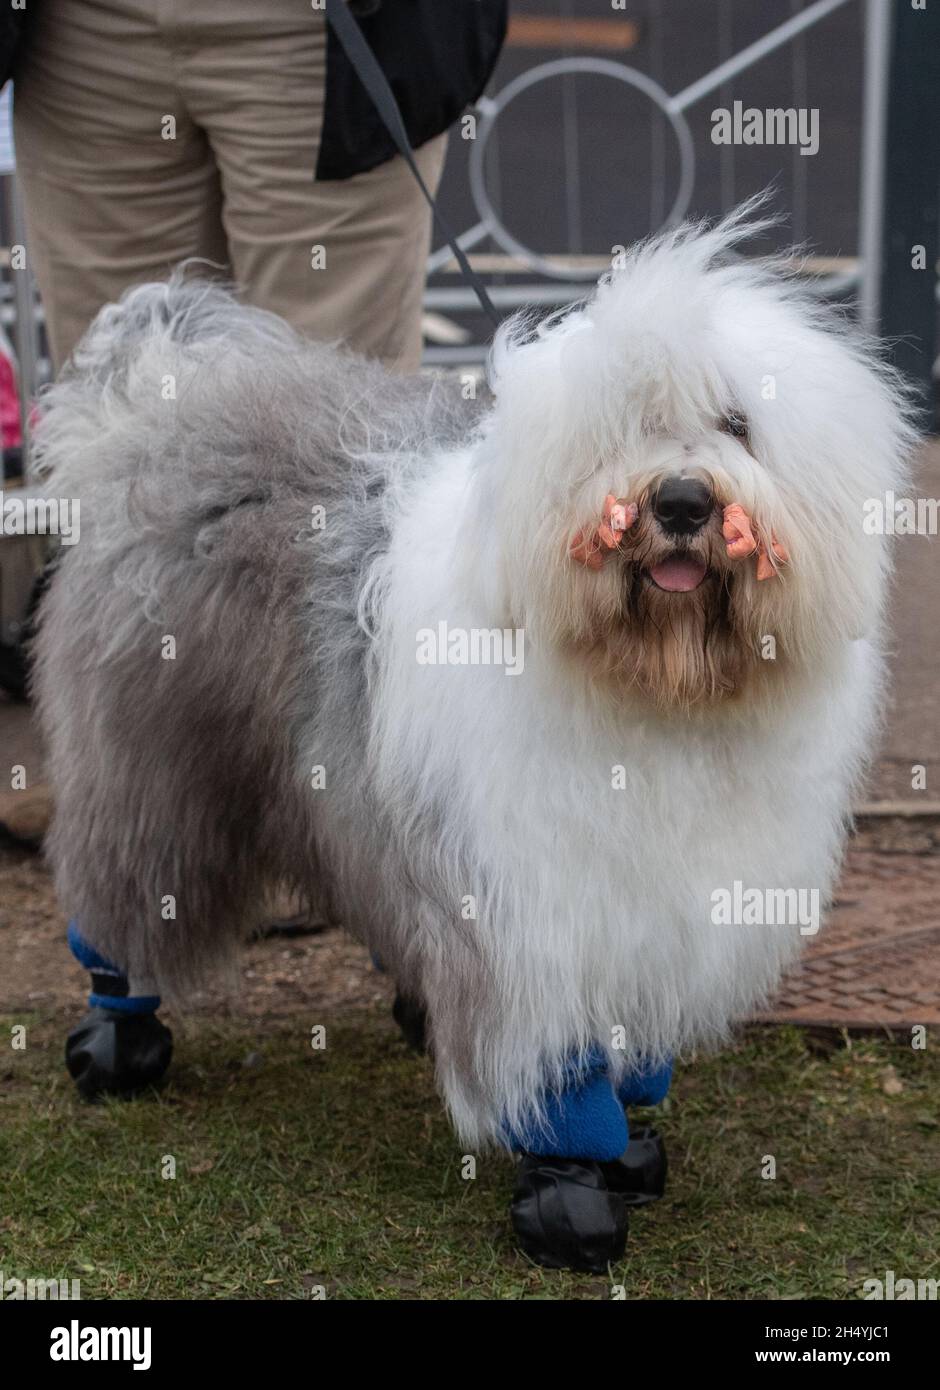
678,573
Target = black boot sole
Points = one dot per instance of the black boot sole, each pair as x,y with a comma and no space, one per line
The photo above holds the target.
565,1216
115,1053
639,1175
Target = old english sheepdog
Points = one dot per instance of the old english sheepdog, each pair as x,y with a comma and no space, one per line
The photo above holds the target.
517,688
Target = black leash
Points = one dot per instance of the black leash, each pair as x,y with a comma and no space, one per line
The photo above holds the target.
373,79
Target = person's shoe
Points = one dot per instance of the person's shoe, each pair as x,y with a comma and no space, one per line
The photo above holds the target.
112,1052
565,1216
639,1174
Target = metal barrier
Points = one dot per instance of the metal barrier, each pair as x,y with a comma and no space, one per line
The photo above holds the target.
672,107
559,281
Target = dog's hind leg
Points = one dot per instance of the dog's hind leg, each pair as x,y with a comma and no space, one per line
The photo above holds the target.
409,1013
412,1019
171,747
166,835
120,1047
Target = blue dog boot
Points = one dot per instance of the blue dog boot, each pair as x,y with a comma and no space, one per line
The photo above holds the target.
565,1216
564,1212
120,1046
582,1170
639,1174
116,1053
645,1087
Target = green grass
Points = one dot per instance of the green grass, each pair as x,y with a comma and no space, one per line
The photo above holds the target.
337,1168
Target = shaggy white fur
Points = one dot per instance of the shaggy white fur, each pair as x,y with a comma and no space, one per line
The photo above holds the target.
535,855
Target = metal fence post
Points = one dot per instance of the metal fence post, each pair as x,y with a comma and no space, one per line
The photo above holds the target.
906,306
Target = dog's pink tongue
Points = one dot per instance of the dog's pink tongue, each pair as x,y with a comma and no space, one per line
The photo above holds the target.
679,574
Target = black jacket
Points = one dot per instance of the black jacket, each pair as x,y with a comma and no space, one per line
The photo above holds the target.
436,54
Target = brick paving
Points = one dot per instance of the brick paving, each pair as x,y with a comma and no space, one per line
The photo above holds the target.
876,962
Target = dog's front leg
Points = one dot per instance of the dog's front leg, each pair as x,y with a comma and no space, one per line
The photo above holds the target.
580,1169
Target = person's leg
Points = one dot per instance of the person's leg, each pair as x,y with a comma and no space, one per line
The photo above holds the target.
340,260
119,185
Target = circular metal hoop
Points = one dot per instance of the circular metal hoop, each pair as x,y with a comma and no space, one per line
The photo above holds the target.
562,66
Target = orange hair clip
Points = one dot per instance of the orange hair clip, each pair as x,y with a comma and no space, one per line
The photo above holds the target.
740,541
588,547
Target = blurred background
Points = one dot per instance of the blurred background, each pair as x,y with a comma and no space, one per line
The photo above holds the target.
597,130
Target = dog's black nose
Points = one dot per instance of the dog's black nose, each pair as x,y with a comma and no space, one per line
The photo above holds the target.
682,505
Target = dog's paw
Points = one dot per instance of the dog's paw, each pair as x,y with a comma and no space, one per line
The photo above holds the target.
115,1053
639,1175
565,1216
412,1020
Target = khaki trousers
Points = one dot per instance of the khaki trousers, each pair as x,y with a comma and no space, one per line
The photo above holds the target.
148,131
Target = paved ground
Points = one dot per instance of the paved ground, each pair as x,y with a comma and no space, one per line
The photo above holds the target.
875,964
912,733
878,960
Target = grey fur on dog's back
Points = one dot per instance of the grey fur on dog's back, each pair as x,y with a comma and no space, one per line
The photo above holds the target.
198,436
